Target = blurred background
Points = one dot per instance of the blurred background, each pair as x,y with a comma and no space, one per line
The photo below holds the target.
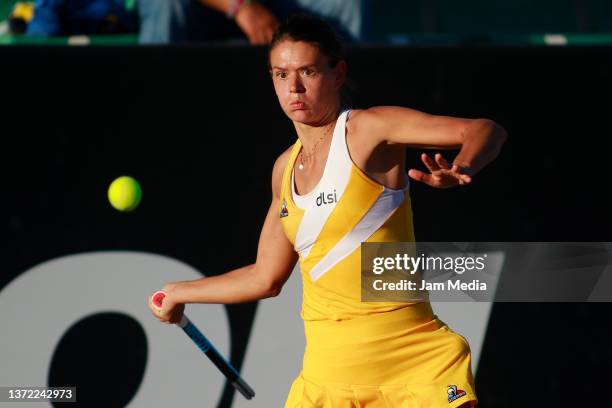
412,22
164,90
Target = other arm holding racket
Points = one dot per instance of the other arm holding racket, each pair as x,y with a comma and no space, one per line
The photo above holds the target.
262,279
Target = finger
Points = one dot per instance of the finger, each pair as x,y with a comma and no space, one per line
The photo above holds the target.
157,311
442,162
458,173
423,177
462,170
465,178
429,163
416,174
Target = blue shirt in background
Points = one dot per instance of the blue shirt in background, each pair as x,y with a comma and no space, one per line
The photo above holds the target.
73,17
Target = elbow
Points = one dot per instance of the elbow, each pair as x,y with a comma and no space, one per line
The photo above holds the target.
274,291
494,134
497,132
269,279
271,289
268,286
501,133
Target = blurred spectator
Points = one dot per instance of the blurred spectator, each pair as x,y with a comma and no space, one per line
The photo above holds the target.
166,21
20,17
70,17
170,21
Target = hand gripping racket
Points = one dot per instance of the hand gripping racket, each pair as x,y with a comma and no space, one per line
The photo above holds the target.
232,375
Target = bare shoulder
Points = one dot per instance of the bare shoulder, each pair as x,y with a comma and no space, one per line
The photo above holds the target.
278,169
357,123
356,117
281,160
375,117
406,126
368,126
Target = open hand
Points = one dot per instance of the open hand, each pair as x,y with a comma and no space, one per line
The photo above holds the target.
442,175
257,23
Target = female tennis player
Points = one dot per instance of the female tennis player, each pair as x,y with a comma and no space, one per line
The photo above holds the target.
343,183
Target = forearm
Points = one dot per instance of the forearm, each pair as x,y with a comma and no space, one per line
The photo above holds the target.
224,6
237,286
482,141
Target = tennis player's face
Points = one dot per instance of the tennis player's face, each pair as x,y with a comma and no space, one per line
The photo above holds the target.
306,86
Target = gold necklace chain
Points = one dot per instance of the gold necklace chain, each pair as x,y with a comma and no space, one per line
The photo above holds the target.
314,148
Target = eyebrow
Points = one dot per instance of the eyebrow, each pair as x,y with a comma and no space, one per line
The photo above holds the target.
302,67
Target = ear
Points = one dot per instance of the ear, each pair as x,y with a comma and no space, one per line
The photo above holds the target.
341,70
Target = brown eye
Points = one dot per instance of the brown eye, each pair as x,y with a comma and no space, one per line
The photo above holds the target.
281,74
308,72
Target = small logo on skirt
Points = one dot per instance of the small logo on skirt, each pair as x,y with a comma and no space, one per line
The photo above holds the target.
454,393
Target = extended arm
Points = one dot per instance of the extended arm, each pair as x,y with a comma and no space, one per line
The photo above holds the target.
479,140
255,21
264,278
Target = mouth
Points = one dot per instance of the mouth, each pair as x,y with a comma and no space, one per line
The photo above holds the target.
298,105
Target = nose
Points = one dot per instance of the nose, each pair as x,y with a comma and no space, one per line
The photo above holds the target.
296,85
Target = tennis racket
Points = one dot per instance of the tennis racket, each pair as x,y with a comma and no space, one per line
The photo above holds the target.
232,375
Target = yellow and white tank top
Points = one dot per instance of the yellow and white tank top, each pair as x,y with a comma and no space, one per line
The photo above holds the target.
328,225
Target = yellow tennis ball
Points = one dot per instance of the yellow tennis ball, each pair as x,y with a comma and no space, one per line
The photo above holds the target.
124,193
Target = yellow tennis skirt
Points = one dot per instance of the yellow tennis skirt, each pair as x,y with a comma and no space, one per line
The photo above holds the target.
403,358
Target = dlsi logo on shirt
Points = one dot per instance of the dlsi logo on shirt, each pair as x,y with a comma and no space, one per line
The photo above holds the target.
328,198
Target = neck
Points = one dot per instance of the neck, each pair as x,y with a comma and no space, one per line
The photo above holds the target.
310,134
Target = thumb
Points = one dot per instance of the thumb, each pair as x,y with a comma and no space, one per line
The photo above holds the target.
416,174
